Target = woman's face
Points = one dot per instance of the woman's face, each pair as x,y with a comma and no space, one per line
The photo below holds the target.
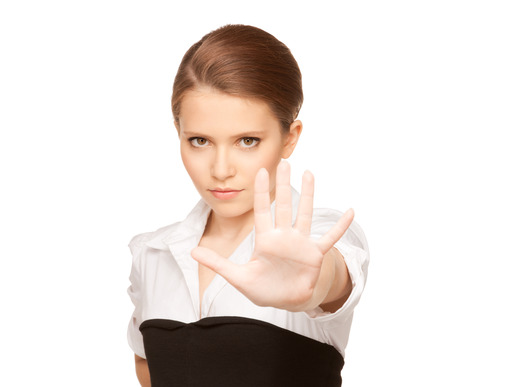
224,141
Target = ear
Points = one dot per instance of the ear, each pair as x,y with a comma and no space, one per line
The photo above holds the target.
291,139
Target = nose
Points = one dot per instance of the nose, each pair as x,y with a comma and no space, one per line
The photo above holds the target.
222,167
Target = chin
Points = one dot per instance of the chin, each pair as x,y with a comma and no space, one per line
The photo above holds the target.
229,214
229,208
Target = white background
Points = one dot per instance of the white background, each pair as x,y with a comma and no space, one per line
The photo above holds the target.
409,118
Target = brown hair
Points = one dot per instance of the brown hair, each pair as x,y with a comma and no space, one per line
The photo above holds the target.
244,61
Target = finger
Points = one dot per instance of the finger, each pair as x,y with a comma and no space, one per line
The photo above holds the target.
283,214
306,204
262,202
220,265
327,241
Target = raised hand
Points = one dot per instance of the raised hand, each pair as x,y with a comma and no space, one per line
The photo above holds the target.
285,268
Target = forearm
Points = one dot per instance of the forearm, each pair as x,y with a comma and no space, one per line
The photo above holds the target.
142,371
334,284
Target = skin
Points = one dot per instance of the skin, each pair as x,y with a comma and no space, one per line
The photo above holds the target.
142,371
232,142
224,158
288,269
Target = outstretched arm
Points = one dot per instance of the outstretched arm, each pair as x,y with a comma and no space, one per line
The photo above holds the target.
334,281
288,269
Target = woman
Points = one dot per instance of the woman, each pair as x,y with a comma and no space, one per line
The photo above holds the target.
254,287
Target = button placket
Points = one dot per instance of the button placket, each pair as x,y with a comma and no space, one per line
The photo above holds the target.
189,268
240,256
211,293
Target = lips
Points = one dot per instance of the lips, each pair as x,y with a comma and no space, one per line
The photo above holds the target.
225,189
225,193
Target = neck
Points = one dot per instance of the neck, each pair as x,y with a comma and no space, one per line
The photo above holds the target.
230,228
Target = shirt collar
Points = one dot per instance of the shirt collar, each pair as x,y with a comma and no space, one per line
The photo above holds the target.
195,222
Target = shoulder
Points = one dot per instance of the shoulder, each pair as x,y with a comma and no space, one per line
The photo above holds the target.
139,241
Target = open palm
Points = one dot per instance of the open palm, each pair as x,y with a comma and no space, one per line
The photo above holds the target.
286,262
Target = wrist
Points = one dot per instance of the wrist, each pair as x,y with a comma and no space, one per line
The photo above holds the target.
322,292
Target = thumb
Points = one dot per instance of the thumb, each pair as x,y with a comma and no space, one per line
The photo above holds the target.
216,262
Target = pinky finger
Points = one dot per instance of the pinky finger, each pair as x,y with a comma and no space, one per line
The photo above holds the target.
327,241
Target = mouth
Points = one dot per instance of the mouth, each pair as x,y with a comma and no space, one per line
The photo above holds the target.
225,193
225,189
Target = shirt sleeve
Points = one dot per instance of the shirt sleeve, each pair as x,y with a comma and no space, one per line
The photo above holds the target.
353,247
134,290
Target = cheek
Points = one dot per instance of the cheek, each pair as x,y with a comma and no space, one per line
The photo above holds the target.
191,163
270,162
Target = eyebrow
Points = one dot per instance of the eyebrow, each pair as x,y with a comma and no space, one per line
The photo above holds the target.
254,133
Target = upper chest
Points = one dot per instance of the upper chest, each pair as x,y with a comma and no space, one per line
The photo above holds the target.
175,284
224,248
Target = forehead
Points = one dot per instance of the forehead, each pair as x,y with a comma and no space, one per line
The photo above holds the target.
206,110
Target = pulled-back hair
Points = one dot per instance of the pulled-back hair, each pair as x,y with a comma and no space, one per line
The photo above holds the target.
243,61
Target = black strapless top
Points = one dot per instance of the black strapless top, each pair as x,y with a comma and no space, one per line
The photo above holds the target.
236,351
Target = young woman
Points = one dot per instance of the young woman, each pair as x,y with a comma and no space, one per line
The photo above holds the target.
254,287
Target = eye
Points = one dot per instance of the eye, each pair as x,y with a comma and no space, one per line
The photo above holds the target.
249,142
198,142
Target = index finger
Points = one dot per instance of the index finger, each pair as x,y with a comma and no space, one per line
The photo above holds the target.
283,218
262,202
306,204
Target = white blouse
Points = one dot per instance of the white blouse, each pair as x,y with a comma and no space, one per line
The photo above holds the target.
165,283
